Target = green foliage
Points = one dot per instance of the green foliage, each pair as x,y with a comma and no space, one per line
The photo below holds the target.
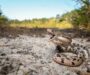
0,12
3,19
83,17
79,18
71,17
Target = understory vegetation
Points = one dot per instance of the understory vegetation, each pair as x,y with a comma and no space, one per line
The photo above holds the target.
77,18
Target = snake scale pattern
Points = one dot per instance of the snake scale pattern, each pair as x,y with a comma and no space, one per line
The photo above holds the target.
80,55
80,52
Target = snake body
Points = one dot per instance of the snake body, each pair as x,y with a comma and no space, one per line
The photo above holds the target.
80,52
73,61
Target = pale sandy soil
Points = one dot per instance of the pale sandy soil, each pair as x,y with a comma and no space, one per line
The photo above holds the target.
26,55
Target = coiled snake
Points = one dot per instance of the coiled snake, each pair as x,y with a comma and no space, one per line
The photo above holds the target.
66,45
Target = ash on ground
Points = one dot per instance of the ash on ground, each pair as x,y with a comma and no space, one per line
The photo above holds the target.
26,55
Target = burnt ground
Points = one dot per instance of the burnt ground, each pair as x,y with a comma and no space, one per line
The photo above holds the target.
29,52
41,32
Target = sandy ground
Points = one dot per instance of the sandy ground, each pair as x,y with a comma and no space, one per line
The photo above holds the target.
26,55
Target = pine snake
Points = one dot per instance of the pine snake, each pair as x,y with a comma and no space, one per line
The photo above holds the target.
66,45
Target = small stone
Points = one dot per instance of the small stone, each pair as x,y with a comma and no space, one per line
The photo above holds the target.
3,54
88,69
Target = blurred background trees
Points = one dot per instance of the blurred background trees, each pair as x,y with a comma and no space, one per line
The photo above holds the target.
3,19
83,17
77,18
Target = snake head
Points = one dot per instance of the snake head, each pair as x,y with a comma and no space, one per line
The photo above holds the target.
50,32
